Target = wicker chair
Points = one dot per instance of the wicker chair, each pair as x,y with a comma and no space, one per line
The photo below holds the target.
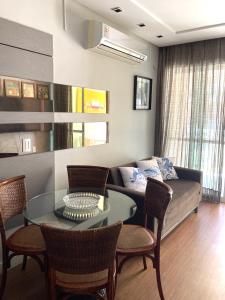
135,240
87,178
81,262
27,240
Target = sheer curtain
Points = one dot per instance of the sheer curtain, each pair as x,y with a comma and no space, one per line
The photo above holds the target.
191,109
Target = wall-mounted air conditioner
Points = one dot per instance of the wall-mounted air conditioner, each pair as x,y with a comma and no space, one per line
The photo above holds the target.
111,42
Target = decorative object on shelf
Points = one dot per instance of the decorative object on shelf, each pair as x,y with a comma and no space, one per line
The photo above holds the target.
142,92
79,206
28,90
12,88
42,91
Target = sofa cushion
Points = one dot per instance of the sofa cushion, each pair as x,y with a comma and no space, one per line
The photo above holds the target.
150,168
133,178
115,175
182,188
166,168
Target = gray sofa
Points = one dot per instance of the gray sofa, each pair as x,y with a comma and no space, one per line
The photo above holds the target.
187,193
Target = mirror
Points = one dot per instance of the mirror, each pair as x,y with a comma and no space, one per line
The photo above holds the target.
25,95
80,100
29,138
28,95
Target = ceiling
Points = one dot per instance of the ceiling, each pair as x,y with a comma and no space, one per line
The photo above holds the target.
177,21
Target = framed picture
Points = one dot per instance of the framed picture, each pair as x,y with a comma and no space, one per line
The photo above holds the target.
12,88
28,90
95,101
43,91
142,92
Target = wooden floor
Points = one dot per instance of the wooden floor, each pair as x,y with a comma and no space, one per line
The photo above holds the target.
192,263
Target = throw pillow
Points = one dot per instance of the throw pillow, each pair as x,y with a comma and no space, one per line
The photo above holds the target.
150,168
133,178
166,168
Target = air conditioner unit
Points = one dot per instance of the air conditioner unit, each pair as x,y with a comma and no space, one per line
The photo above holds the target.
111,42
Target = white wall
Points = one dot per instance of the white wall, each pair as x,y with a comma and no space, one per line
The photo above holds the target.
131,132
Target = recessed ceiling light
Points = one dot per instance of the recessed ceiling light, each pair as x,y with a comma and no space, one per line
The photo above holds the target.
141,25
116,9
159,36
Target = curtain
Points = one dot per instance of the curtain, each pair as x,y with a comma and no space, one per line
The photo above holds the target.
191,109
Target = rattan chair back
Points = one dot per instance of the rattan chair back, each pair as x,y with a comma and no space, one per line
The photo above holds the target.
81,252
12,197
157,198
87,178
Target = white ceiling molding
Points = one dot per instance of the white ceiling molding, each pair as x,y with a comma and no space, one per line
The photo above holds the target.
157,19
200,28
176,21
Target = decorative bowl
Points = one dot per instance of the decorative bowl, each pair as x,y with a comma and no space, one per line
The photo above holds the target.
81,201
80,206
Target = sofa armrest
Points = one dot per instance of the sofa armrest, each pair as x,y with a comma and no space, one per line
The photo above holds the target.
189,174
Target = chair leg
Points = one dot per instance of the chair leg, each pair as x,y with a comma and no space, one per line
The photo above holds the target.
39,261
52,292
4,274
123,262
114,286
117,266
66,297
110,292
117,262
115,283
144,262
158,277
24,262
52,286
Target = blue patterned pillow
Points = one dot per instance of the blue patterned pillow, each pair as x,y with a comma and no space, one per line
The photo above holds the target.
133,178
166,167
150,168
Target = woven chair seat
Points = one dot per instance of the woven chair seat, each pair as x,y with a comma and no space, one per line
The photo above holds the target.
27,239
81,281
134,238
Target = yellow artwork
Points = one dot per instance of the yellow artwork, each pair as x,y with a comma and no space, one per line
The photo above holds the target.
95,101
77,99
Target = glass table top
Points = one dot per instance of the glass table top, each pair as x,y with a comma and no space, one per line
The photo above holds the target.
55,208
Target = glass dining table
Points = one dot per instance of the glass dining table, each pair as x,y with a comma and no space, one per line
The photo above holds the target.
80,210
